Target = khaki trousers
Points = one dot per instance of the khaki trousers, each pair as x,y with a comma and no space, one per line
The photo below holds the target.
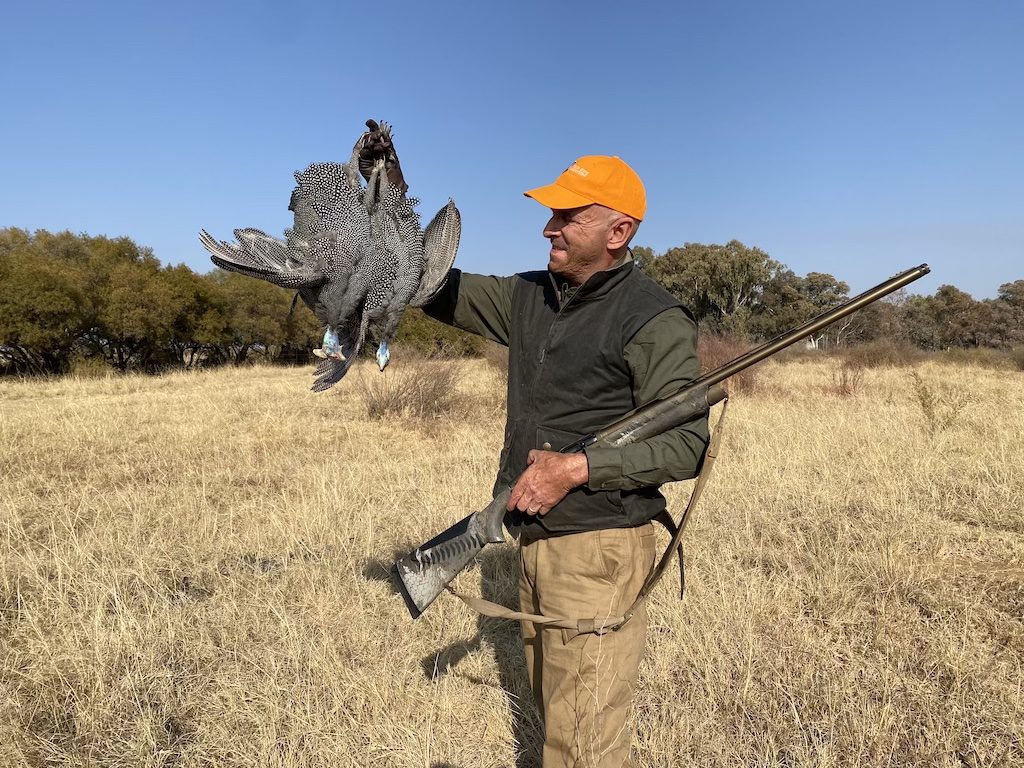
583,685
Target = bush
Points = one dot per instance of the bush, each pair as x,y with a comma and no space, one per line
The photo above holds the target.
1017,356
423,389
496,356
878,354
428,337
982,357
715,350
940,408
847,377
90,366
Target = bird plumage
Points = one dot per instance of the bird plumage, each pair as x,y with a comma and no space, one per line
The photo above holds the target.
355,253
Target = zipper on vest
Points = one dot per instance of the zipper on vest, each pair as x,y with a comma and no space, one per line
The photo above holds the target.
562,305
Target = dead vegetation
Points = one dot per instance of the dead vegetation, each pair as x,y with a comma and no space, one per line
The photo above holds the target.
193,571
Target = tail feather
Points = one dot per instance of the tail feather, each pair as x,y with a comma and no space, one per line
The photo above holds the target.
261,256
330,371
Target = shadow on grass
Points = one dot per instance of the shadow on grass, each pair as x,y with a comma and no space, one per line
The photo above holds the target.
498,573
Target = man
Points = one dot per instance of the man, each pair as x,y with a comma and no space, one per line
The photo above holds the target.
589,339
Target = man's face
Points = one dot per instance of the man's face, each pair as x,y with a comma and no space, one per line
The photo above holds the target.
579,240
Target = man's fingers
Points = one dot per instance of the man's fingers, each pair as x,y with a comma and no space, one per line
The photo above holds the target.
515,496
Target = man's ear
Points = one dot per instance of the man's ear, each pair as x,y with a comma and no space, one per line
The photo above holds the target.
620,233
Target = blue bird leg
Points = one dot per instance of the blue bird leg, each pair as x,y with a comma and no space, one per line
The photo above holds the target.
331,345
383,355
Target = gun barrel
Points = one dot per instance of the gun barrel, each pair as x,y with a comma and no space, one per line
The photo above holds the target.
813,325
701,393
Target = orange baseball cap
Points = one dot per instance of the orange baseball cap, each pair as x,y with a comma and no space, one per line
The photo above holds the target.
600,179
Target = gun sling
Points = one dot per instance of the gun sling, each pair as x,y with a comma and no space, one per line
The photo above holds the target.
600,626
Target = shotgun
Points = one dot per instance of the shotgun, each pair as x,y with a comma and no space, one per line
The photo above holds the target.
426,571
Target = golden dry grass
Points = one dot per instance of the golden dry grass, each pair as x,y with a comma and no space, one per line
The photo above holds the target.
193,572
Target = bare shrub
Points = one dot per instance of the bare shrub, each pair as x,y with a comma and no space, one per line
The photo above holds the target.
496,356
798,353
939,408
884,354
982,357
424,389
90,367
1017,355
715,350
847,377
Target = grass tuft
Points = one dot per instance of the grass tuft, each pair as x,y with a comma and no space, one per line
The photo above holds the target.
417,389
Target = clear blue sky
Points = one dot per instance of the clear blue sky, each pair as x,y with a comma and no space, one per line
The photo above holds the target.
857,138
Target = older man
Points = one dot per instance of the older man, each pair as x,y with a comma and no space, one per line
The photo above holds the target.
590,338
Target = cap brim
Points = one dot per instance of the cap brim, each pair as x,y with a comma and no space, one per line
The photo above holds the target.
558,198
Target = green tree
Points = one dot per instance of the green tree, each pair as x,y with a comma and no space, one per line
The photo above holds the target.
258,317
1013,294
954,312
720,284
784,304
136,315
788,300
41,306
643,256
427,336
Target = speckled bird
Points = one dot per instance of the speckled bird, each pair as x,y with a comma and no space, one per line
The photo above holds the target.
355,254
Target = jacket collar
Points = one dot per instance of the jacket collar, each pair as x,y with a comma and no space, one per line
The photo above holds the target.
598,284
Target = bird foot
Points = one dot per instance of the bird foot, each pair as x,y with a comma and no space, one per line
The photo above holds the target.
323,355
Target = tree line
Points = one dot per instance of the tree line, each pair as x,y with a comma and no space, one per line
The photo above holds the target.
739,290
68,299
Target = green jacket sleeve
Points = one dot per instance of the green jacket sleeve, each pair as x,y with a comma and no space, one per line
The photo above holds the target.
480,304
662,357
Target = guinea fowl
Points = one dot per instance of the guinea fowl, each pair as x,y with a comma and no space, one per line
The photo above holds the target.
355,254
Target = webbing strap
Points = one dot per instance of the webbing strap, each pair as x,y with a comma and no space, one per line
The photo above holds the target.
600,626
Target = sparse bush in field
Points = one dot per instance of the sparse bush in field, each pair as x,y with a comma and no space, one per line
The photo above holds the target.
715,350
798,353
983,357
1017,355
429,337
493,400
880,354
940,409
424,389
847,376
90,367
496,356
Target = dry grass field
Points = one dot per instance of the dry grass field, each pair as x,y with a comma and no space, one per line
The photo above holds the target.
193,572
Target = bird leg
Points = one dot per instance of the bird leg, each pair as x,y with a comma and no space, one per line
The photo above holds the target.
383,355
331,346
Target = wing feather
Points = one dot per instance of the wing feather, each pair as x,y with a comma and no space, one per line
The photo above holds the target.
440,244
261,256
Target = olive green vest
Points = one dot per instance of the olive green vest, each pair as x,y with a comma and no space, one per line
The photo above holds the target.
567,378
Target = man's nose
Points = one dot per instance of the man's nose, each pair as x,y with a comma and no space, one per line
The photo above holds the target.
551,229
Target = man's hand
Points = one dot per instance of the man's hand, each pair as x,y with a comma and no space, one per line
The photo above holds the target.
375,144
546,481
